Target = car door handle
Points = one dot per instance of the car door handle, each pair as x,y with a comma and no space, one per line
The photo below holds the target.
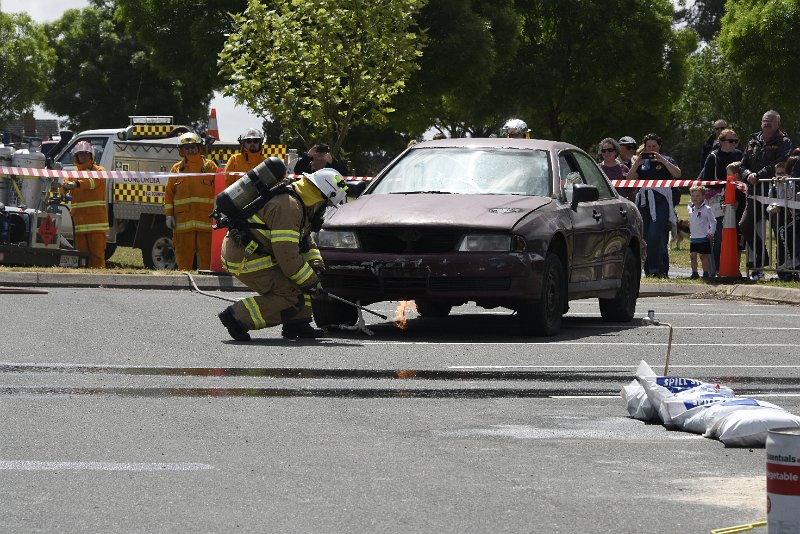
597,215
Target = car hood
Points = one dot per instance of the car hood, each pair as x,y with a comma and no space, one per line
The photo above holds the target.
491,212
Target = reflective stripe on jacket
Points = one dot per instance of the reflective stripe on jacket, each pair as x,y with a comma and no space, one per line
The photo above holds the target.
190,199
89,206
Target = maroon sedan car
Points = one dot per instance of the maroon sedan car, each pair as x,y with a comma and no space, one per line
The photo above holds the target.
517,223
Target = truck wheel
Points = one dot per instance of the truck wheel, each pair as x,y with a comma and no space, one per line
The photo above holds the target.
157,249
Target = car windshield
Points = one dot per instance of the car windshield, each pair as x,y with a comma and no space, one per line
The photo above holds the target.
469,171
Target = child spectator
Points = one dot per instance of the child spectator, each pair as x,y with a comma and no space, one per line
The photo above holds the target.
702,226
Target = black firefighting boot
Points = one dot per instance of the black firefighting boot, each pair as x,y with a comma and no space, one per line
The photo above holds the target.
235,328
300,330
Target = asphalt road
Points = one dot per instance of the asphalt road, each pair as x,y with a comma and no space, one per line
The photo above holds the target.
129,410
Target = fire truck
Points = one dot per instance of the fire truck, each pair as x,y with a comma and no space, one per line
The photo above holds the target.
136,205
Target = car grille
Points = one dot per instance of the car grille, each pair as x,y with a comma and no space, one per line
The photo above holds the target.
408,240
404,285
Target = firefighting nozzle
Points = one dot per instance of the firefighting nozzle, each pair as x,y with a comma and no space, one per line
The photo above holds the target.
69,185
357,306
170,222
255,183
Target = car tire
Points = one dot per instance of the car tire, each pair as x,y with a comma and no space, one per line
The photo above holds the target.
433,309
622,307
157,249
333,312
543,317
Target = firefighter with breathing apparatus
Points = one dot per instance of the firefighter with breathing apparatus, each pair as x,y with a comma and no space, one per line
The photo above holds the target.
187,202
269,246
88,209
516,129
249,157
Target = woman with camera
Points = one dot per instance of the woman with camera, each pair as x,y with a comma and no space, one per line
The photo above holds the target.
655,203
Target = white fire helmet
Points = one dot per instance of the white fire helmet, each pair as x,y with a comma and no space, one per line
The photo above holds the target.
515,128
251,133
83,146
331,185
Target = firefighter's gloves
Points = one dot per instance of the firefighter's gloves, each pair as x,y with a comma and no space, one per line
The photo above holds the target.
318,292
69,185
170,222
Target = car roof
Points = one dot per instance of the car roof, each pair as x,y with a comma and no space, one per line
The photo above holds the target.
495,142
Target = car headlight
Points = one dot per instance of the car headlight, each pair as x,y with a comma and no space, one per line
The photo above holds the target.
334,239
485,243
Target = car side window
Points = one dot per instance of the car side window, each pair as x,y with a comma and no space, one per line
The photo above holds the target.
98,143
570,174
593,175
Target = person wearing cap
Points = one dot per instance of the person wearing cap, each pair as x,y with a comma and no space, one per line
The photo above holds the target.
188,200
88,207
278,258
627,150
319,157
251,154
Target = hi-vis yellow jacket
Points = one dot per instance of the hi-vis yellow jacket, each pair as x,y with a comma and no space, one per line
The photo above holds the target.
242,162
190,199
88,208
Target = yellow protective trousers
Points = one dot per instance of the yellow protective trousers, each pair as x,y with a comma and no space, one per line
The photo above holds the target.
279,300
188,242
95,244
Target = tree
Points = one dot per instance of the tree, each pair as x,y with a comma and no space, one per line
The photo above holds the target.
184,37
319,67
103,75
459,88
703,16
584,74
762,39
25,62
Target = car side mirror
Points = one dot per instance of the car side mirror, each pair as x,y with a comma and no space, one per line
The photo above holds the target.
354,189
583,193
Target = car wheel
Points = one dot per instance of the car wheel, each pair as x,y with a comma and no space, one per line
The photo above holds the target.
622,307
157,249
433,309
333,312
543,317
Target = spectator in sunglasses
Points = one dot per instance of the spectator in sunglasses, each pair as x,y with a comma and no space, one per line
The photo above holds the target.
714,168
610,165
712,142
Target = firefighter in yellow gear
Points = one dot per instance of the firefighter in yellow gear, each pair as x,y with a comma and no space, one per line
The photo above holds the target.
276,257
89,206
250,155
188,201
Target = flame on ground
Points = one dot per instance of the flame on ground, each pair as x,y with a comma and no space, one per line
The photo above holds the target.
400,319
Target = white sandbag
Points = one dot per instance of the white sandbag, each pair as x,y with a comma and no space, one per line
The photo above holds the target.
675,409
748,428
699,420
638,404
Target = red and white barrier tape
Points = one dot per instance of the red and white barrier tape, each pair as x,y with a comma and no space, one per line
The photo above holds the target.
133,177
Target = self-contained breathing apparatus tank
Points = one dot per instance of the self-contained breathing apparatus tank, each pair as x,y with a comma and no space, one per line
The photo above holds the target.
256,183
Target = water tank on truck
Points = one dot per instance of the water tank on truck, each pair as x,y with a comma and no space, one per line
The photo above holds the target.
34,189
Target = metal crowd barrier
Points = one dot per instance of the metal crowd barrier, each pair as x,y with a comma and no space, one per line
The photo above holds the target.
775,207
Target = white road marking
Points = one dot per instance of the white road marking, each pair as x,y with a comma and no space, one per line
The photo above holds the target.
622,365
631,327
584,396
29,465
661,312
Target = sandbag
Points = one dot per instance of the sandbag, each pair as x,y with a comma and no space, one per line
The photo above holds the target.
699,420
636,401
748,428
676,409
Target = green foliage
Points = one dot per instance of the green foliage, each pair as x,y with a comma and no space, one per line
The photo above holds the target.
25,61
183,37
319,67
460,87
103,74
762,38
587,73
703,16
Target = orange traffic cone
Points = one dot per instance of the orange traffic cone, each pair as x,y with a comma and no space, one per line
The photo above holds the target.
217,236
729,253
213,129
